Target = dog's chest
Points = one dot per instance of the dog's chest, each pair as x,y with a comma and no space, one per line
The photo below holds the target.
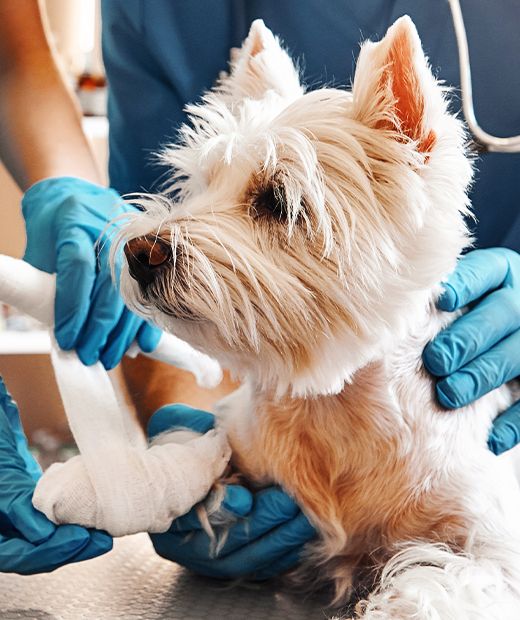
370,459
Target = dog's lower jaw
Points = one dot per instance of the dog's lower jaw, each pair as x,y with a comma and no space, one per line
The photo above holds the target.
380,467
333,361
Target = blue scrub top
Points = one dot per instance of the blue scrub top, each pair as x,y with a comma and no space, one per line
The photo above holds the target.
162,54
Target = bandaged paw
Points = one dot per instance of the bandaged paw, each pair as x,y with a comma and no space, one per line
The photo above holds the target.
117,484
151,488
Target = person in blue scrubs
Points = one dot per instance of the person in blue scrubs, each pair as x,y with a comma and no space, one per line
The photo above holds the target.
161,55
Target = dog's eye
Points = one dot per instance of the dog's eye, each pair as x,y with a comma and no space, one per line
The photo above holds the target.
270,200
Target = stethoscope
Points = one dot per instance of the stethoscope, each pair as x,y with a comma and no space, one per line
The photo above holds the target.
483,139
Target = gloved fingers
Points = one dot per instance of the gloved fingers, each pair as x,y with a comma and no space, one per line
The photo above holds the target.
477,273
271,509
177,416
69,543
75,277
17,513
279,566
488,371
237,503
267,550
176,548
105,311
465,339
32,467
99,544
148,337
120,339
16,457
262,558
505,433
13,437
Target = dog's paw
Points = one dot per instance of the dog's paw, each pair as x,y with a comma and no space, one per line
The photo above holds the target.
208,373
145,492
214,449
191,469
65,494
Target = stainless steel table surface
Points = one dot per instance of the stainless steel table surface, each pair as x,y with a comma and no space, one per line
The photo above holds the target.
133,583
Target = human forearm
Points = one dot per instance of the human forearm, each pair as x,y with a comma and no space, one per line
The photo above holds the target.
40,124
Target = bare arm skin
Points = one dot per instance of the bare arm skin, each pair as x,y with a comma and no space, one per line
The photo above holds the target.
40,137
40,122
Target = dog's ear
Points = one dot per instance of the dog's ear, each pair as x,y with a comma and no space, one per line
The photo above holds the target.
394,88
261,65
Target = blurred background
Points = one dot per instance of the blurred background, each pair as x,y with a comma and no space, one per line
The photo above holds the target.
74,27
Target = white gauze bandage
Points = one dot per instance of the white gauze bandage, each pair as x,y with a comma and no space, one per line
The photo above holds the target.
118,483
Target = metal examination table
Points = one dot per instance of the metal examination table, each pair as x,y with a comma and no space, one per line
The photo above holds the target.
133,583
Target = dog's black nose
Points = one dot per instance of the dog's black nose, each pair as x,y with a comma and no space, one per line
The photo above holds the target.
145,255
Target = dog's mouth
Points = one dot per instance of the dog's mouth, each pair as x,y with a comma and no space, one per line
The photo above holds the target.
157,295
180,311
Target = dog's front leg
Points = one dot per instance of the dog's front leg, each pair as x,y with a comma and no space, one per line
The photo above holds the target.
236,414
150,488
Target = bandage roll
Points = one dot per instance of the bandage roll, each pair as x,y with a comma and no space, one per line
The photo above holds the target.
29,290
118,484
32,292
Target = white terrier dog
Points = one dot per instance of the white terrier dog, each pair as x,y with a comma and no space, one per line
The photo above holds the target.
301,243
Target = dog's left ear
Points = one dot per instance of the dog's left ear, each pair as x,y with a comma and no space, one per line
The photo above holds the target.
261,65
394,88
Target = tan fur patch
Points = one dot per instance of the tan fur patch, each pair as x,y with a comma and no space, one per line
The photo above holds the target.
342,457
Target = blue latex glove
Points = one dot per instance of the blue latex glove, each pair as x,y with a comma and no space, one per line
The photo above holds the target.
266,538
480,351
65,217
29,542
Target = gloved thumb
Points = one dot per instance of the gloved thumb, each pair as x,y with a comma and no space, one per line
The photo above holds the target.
178,416
237,503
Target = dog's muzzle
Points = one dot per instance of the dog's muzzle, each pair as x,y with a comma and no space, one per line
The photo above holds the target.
146,257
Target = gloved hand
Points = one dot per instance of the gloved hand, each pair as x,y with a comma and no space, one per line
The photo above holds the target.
268,533
480,351
65,217
29,542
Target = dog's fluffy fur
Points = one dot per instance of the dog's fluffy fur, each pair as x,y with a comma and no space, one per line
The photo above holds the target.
309,233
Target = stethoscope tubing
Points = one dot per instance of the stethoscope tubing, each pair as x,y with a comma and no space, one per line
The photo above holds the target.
483,139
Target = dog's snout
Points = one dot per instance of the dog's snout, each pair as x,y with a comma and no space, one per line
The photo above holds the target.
145,255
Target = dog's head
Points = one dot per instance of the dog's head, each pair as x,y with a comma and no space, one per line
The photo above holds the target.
302,232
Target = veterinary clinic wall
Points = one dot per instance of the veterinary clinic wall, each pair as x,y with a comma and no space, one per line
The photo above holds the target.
29,377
